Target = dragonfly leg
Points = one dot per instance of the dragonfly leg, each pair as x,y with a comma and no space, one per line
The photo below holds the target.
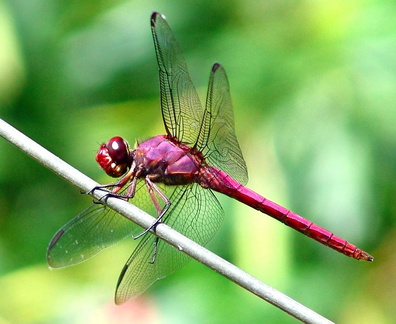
130,192
153,190
155,249
116,187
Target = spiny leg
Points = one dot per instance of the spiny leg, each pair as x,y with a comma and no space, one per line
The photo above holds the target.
155,249
116,187
153,190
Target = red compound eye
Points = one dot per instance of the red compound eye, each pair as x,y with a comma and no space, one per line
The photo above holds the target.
114,157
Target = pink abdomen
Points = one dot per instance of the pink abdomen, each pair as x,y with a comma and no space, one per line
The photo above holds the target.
219,181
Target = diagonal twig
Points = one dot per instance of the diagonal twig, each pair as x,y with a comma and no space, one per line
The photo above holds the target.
163,231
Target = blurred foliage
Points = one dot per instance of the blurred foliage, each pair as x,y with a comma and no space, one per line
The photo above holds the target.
314,90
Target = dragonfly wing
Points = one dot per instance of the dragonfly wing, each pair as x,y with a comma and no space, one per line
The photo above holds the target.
196,213
180,104
217,139
94,229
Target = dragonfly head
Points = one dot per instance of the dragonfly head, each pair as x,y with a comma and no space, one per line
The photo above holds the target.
114,157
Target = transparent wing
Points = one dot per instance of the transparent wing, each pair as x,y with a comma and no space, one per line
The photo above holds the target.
217,139
196,213
212,132
94,229
180,104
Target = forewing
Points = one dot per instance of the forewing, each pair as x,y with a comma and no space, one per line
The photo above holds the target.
94,229
180,104
217,139
194,212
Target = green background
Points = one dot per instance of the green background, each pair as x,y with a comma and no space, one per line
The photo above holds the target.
314,91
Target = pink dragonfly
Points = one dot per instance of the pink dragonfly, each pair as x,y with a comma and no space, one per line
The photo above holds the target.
173,176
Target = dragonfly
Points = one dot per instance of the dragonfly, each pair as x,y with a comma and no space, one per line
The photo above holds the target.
173,177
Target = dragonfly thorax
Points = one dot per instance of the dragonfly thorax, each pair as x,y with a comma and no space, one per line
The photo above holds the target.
165,160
